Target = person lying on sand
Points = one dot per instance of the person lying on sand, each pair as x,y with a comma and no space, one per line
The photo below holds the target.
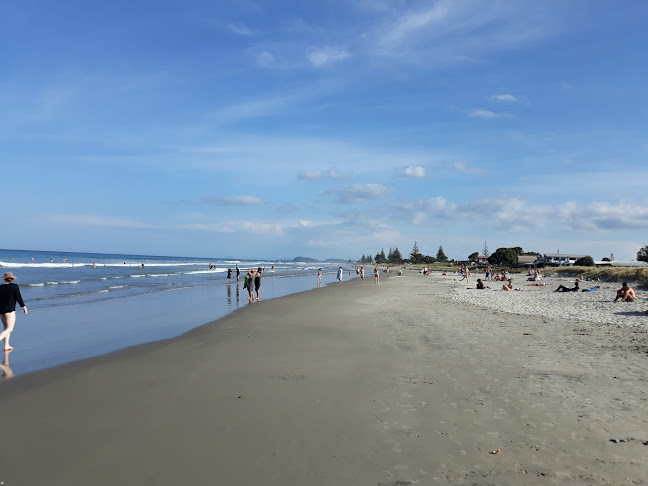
625,293
562,288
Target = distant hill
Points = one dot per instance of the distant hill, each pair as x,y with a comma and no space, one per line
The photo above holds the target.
303,259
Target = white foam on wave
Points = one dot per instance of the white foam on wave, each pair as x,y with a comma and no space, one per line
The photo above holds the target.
42,265
35,285
52,283
215,270
71,282
117,286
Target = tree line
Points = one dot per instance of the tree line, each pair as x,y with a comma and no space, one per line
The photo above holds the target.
394,256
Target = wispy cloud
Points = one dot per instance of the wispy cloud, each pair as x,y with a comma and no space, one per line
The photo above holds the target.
233,200
511,213
102,221
416,171
265,59
504,97
239,29
356,193
311,175
327,55
461,167
480,113
450,30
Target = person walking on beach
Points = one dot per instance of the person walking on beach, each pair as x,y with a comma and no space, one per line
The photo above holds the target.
229,276
376,275
361,274
339,275
319,277
9,296
257,282
238,272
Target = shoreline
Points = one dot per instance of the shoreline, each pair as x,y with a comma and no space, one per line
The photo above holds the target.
352,384
53,336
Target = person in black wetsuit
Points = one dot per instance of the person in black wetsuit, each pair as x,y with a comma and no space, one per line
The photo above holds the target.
257,282
562,288
238,272
9,296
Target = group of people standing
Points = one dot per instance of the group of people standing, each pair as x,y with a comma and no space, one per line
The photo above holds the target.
251,283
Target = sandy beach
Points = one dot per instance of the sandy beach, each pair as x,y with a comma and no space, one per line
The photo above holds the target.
417,380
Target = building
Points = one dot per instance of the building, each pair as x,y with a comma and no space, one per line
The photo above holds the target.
557,260
620,264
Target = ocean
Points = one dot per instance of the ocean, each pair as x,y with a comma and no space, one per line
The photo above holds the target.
85,304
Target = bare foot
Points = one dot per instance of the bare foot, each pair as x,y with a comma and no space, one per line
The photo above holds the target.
9,348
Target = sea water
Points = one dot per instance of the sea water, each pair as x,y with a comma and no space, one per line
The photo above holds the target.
85,304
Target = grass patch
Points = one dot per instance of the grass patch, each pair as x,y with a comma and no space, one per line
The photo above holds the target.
638,276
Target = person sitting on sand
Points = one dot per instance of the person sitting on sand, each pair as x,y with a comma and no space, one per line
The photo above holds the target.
625,293
480,284
562,288
508,286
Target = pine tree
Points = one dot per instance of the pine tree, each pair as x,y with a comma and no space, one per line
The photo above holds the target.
485,250
415,255
389,255
396,256
441,256
383,258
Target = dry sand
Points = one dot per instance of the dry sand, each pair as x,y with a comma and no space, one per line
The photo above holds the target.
352,384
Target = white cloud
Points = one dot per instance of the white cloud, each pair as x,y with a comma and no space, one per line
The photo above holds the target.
334,174
386,236
479,113
357,193
447,29
233,200
504,97
310,175
326,55
413,171
510,213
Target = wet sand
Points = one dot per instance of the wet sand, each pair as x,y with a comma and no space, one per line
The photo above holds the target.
354,383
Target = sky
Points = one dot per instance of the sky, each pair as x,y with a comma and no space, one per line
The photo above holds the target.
272,129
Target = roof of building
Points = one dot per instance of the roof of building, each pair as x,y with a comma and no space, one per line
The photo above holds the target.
563,255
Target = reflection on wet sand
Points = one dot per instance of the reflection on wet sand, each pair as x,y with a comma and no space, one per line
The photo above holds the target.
7,372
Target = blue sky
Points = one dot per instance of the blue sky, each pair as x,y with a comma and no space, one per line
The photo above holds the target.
270,129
